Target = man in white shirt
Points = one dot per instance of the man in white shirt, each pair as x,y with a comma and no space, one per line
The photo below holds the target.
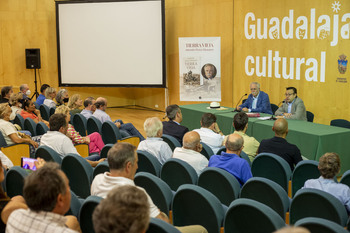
154,144
190,152
210,132
89,104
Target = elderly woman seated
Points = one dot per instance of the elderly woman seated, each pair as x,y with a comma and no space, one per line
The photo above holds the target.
50,94
62,97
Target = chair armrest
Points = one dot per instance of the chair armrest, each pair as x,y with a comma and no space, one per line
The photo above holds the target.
132,140
16,151
83,149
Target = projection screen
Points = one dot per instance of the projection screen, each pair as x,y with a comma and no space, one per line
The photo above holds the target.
111,43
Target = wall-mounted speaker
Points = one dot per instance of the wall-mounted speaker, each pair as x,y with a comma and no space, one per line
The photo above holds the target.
33,59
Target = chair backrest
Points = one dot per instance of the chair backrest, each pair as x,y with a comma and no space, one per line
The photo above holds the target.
274,108
14,181
267,192
159,226
44,112
340,123
3,143
80,124
172,142
148,163
319,225
195,205
19,120
304,170
176,172
222,149
75,205
345,179
206,150
243,155
157,189
220,183
309,202
30,125
41,128
36,105
85,214
110,133
243,101
48,154
258,217
100,169
52,110
309,116
93,125
79,173
272,167
105,150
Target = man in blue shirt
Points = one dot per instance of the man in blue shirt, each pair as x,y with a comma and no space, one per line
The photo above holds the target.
231,160
41,97
258,101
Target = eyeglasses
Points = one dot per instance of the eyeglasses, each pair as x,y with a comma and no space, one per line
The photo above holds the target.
289,94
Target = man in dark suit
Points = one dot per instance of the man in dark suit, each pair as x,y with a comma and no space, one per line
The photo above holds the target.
173,127
258,101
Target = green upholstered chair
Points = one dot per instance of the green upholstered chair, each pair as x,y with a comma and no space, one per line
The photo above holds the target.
340,123
105,150
159,226
319,225
100,169
310,116
172,142
19,120
148,163
14,181
111,134
206,150
75,205
45,112
30,125
48,154
41,128
345,179
80,124
303,171
85,214
93,125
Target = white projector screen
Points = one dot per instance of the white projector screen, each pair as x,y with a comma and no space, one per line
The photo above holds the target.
111,43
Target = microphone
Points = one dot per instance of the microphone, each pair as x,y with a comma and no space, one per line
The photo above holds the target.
236,110
273,116
282,102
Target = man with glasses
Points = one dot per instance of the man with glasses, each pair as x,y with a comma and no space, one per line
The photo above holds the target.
258,101
293,107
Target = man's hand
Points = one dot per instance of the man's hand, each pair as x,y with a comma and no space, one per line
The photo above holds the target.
287,115
35,144
39,163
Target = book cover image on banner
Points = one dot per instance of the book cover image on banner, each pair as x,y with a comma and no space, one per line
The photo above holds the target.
200,69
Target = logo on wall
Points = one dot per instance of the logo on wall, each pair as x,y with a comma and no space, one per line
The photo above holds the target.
342,64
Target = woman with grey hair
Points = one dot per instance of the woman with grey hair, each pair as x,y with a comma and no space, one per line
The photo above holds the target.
62,97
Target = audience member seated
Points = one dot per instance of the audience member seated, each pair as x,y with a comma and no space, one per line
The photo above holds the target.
29,111
4,199
154,144
89,107
62,97
190,152
329,167
210,132
6,92
46,199
94,140
173,127
24,90
293,107
240,124
125,209
10,133
290,229
41,97
50,94
57,140
278,145
74,103
16,104
231,160
122,160
100,113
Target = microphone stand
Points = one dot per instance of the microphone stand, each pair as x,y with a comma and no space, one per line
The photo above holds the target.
236,110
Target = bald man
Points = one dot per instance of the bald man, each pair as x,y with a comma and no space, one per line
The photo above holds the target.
190,152
278,144
231,160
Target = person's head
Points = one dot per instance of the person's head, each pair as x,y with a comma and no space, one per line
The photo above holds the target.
63,109
5,111
291,229
234,144
43,88
208,119
291,94
209,71
28,106
58,122
101,103
16,99
125,209
24,88
122,157
6,92
62,96
153,127
89,104
50,93
47,189
280,127
240,121
192,141
173,112
329,165
255,88
75,101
